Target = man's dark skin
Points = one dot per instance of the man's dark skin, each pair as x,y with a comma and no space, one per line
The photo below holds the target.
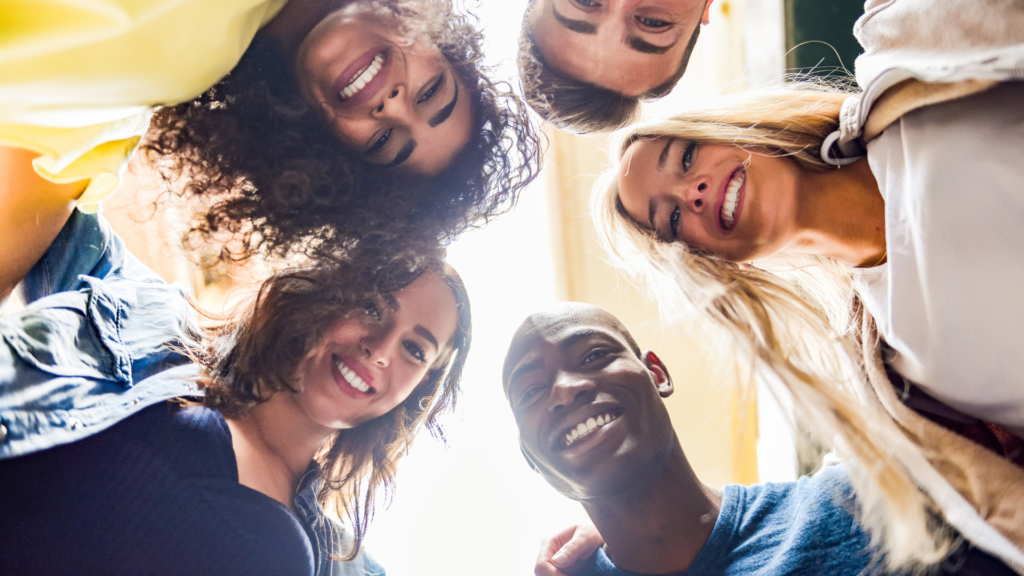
574,362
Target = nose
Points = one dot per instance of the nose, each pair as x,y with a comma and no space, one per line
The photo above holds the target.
395,106
379,349
694,194
568,391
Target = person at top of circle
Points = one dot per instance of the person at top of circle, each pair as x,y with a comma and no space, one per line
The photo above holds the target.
586,65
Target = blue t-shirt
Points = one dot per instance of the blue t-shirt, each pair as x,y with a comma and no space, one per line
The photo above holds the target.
801,527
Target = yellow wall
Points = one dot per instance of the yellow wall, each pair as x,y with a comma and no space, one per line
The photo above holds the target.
716,426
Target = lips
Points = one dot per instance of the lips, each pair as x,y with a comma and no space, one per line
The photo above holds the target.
361,68
730,201
352,378
572,429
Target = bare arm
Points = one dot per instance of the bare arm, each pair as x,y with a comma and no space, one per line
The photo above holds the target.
32,212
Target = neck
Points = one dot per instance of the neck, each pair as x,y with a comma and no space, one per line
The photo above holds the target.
296,19
660,524
274,444
841,215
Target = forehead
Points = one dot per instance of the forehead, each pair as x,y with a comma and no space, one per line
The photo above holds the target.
645,166
547,333
429,303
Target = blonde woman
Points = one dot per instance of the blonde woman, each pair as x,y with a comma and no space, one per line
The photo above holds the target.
747,213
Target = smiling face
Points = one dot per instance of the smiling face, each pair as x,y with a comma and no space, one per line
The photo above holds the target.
588,407
366,364
627,46
390,101
731,202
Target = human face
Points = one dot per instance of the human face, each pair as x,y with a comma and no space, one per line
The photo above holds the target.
726,200
368,363
589,411
391,101
627,46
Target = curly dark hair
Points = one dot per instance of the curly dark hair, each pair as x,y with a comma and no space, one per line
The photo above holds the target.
252,355
577,106
270,173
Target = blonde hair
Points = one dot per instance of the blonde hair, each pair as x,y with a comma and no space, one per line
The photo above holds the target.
790,316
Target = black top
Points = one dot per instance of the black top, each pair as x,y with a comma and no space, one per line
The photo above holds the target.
157,493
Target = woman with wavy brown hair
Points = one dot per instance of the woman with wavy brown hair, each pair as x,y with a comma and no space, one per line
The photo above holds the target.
324,118
133,442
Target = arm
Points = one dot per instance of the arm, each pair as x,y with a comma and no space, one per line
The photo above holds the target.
566,548
32,213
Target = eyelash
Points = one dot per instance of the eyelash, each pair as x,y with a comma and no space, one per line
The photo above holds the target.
587,3
415,350
652,23
381,142
433,90
688,155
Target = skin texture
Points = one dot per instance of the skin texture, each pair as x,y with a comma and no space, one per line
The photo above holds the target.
595,40
678,188
411,104
34,211
574,362
275,441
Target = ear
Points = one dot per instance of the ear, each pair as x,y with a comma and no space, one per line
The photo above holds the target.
661,376
707,13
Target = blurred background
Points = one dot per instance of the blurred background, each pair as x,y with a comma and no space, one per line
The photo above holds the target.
474,506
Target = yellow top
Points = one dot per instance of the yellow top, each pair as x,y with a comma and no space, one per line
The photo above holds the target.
79,79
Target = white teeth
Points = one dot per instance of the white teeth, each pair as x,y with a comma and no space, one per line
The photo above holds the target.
360,80
732,195
352,378
584,428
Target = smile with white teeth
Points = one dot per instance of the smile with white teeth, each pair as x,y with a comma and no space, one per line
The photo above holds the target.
362,78
584,428
732,196
352,378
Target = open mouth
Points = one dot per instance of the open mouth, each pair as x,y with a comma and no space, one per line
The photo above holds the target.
589,426
353,379
362,77
731,203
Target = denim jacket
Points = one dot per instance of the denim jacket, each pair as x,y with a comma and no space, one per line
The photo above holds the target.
96,343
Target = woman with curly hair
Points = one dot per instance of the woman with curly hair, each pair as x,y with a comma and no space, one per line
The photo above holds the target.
132,442
340,115
750,214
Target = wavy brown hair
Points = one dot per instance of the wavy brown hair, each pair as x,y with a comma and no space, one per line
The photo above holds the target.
271,174
255,355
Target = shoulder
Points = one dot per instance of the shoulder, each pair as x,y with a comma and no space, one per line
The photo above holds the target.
794,526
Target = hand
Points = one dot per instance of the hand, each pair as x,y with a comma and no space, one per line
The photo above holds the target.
566,548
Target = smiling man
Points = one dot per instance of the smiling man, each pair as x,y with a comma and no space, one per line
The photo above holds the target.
592,421
586,65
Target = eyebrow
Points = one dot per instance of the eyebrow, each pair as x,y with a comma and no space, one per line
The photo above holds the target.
520,370
645,47
584,27
445,112
426,335
403,154
571,340
581,26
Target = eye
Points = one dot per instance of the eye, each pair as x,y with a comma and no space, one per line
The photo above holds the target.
673,222
587,3
415,351
652,23
529,395
688,156
433,90
594,356
381,142
372,310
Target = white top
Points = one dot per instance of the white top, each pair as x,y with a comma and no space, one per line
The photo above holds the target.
950,300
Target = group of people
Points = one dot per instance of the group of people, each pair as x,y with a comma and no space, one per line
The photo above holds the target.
857,249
